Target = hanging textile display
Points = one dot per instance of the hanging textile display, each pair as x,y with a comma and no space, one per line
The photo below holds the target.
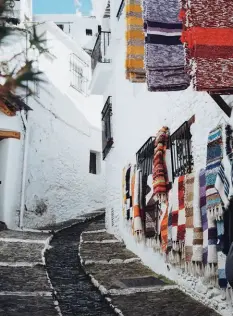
132,184
137,221
127,192
178,215
214,158
208,39
222,281
189,228
164,227
199,217
151,211
135,71
164,53
124,192
160,174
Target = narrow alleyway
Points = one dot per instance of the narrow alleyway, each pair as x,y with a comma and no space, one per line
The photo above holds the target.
75,293
31,284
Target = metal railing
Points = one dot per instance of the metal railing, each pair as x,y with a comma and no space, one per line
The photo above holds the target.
145,156
107,139
100,49
121,8
180,143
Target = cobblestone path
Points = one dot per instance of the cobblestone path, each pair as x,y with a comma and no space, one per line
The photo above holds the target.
75,293
132,288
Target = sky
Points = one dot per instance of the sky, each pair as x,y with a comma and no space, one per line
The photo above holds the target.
61,6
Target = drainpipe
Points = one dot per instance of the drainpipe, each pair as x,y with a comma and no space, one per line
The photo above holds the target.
25,159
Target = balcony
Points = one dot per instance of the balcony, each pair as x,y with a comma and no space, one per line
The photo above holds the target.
107,139
100,49
100,63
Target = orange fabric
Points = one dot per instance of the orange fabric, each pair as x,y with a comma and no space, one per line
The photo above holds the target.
208,36
133,8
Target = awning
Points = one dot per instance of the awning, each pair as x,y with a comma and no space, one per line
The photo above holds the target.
10,103
8,134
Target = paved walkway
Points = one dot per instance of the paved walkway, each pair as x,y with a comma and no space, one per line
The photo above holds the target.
24,285
131,287
42,275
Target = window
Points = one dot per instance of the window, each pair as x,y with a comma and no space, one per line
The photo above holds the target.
89,32
182,160
61,26
78,81
107,140
92,165
145,156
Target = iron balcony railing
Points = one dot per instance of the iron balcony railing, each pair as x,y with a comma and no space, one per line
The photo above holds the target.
100,49
145,156
107,139
180,141
78,70
121,8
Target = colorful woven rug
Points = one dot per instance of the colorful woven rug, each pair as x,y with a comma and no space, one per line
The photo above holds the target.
199,210
222,281
160,174
135,70
164,54
214,158
137,221
178,215
207,36
189,229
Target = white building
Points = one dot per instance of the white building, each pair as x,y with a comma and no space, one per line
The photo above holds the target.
51,167
135,116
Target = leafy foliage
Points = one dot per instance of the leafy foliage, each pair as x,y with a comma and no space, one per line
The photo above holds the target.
21,76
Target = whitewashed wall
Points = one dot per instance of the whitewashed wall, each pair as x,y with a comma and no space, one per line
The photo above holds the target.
137,115
64,127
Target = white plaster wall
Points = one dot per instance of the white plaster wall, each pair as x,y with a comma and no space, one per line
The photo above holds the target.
58,161
74,26
137,115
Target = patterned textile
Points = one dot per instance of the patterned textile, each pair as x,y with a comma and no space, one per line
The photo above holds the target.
124,192
137,221
188,202
164,54
169,245
214,157
199,210
160,174
178,215
132,184
207,35
134,42
127,190
222,281
151,212
164,228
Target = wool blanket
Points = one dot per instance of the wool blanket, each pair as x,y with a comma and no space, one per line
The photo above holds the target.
199,209
222,281
137,221
213,162
127,192
151,212
164,54
189,228
207,33
132,184
124,192
160,174
135,71
164,227
209,234
178,215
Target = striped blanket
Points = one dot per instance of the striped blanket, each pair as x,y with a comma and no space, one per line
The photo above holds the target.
208,35
164,54
135,71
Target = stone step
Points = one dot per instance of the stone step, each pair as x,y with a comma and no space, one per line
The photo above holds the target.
169,302
27,306
12,252
105,252
97,236
23,235
117,276
24,279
